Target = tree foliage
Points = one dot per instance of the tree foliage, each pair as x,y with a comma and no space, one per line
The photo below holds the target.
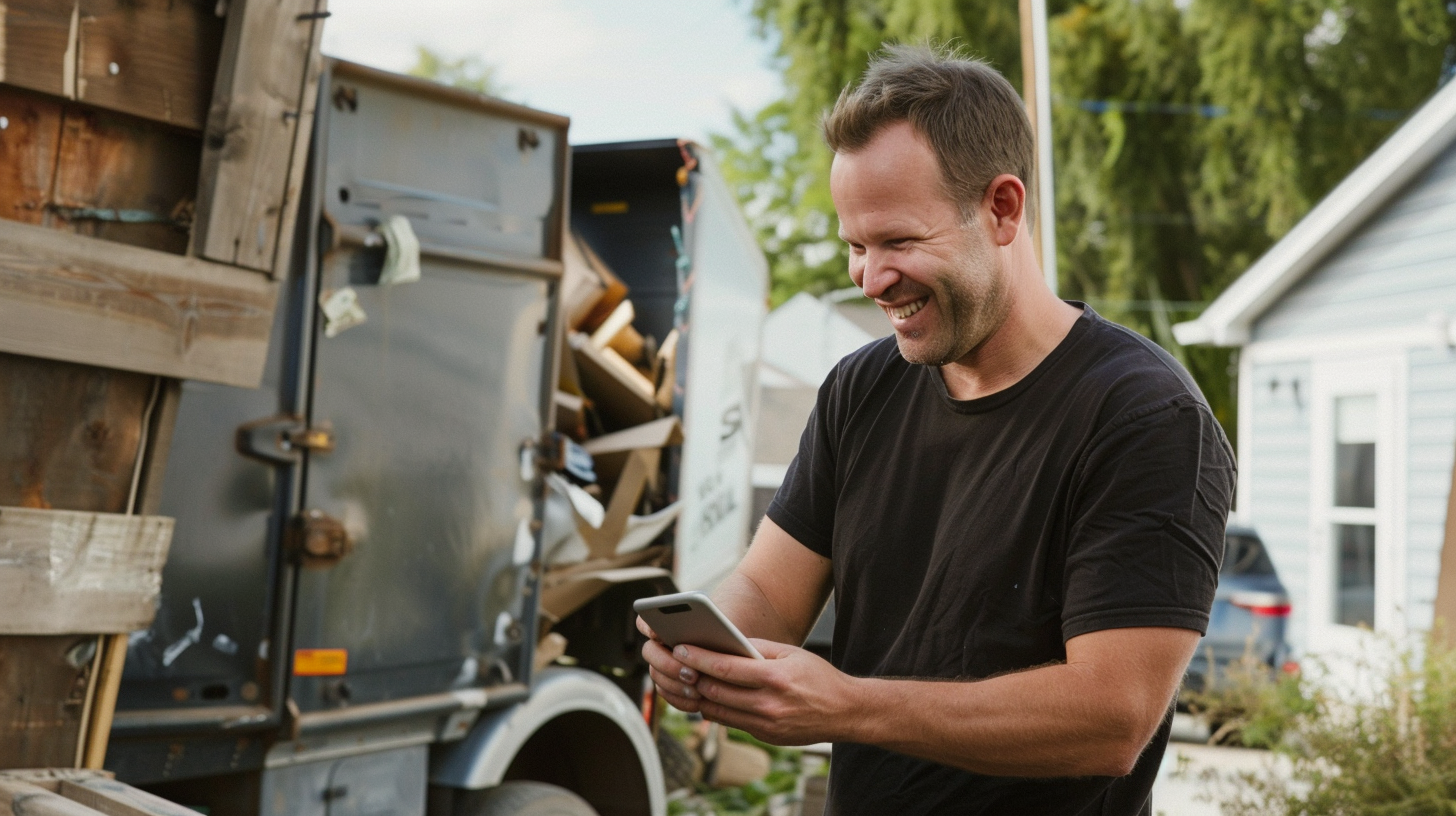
1189,135
470,72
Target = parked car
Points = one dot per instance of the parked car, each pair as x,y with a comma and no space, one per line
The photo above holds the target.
1249,616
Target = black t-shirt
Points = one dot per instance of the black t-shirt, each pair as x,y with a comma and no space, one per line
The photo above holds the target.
975,537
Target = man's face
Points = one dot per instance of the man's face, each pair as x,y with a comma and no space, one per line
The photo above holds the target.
937,275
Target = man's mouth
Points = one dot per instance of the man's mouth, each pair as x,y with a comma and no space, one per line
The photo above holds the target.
902,312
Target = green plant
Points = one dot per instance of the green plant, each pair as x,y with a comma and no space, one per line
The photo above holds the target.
1249,704
1389,749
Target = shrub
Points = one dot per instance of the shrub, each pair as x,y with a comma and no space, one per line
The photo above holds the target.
1392,751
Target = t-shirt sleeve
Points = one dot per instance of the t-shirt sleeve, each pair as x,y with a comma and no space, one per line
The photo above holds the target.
804,504
1149,506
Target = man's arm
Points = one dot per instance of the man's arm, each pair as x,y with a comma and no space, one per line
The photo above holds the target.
1091,716
778,590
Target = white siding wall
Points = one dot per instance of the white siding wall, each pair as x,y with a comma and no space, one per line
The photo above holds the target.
1277,454
1397,269
1432,443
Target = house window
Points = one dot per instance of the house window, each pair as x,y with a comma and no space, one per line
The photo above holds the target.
1353,511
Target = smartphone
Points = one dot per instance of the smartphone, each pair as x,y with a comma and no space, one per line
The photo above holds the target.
691,618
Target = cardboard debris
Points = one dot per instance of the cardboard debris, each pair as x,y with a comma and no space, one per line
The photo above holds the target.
590,292
665,371
570,592
622,395
609,452
616,333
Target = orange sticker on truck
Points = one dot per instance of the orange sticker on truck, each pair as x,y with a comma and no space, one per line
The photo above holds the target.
320,662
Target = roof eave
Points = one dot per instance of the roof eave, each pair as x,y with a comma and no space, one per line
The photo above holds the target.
1370,186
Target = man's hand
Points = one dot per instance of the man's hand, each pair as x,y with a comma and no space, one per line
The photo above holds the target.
791,697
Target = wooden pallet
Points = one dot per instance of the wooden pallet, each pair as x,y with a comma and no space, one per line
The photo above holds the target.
68,792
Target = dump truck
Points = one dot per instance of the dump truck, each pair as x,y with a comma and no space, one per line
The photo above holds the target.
402,569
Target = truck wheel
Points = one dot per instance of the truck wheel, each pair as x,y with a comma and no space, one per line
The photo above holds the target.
524,798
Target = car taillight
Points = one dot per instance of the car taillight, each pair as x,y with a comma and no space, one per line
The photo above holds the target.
1263,605
1280,611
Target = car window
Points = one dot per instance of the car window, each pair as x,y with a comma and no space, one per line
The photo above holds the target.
1245,555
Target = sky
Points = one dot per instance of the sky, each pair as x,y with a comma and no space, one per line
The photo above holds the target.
621,69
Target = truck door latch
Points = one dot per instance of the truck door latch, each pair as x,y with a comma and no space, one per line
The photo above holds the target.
317,539
282,439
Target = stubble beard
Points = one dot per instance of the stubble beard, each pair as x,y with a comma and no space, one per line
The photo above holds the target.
972,301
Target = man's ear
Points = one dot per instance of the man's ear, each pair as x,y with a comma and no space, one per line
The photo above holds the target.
1005,206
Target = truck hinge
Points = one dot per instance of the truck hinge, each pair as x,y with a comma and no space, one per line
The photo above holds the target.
317,539
282,439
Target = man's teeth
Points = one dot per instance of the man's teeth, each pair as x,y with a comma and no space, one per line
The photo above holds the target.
902,312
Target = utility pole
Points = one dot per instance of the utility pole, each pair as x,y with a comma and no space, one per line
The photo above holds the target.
1037,92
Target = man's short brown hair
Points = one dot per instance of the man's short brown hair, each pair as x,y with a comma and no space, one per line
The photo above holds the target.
970,115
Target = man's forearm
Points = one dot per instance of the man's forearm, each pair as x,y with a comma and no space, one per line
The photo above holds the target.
1091,716
1051,721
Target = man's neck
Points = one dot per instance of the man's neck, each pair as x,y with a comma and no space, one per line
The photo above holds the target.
1036,323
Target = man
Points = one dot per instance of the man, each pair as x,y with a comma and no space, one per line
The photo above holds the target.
1015,496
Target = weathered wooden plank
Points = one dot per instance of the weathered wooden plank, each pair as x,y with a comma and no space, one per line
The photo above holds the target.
257,130
43,684
124,179
117,799
149,58
72,434
63,571
49,778
28,147
37,38
69,297
26,799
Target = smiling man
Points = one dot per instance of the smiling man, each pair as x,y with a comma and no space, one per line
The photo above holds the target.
1018,505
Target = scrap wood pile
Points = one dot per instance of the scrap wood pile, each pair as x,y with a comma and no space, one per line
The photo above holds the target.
608,506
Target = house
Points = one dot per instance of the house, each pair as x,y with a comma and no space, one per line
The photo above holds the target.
1347,390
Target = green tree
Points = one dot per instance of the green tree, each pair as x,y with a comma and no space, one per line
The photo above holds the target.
1189,135
469,72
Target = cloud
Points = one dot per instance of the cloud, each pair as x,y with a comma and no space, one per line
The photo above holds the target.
622,70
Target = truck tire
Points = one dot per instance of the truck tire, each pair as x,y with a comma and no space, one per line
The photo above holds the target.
524,798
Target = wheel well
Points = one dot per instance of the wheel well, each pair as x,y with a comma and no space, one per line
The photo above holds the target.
586,753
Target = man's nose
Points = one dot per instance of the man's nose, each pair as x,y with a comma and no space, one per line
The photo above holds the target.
876,274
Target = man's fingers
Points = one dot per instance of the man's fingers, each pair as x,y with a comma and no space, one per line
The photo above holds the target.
660,658
645,629
672,684
740,671
736,697
681,703
732,717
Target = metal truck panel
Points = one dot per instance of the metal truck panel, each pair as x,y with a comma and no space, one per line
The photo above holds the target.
431,402
469,173
726,304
